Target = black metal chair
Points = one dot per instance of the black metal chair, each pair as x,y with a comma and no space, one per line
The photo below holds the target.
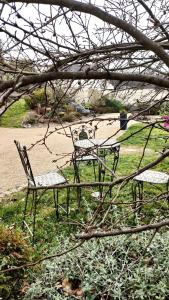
41,182
107,167
104,151
82,155
149,176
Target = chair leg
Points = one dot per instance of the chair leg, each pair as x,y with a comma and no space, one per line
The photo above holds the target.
168,192
68,200
56,197
134,194
99,171
25,208
94,170
116,159
34,215
77,177
140,189
110,192
79,196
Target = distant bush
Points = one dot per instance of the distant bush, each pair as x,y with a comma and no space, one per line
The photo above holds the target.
110,268
106,105
116,105
88,105
70,116
164,108
30,118
29,102
155,110
37,97
14,252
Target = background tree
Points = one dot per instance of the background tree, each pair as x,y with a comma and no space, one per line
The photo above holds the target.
109,44
113,41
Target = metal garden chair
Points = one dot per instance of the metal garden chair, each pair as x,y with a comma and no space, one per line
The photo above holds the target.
41,182
149,176
107,167
80,155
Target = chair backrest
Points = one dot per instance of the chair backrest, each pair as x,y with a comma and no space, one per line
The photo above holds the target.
82,132
25,162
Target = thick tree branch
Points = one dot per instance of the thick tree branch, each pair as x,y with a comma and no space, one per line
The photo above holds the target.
44,77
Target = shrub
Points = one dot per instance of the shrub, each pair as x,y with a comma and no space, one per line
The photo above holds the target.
70,116
109,268
88,105
116,105
94,97
14,252
155,110
29,102
108,106
102,109
30,118
164,108
37,97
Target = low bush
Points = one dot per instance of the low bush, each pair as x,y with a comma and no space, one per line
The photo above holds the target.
138,107
37,97
30,118
116,105
109,268
164,108
70,116
108,106
14,252
102,109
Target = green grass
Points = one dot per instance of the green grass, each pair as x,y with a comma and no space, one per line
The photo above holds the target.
50,231
118,215
156,141
48,227
14,115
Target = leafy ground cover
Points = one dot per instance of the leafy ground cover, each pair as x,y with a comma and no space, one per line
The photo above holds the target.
113,268
14,115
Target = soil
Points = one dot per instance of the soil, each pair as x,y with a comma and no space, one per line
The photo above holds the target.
12,176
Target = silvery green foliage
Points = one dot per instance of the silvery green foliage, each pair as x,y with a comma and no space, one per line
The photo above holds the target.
117,266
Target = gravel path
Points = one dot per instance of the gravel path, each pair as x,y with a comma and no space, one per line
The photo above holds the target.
12,175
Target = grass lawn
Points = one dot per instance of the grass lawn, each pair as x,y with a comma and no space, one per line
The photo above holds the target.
14,115
156,141
51,234
48,226
11,213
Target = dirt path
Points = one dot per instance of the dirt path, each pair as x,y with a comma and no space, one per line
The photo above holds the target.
11,172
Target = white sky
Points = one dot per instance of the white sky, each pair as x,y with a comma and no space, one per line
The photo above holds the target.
30,13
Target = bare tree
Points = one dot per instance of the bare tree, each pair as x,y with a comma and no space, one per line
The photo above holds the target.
113,43
118,41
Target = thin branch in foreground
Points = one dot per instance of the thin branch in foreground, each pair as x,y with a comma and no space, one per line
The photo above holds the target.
127,230
29,265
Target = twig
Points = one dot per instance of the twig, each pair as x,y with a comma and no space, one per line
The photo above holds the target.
127,230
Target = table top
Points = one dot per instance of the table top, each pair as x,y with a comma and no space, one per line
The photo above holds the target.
101,143
152,176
